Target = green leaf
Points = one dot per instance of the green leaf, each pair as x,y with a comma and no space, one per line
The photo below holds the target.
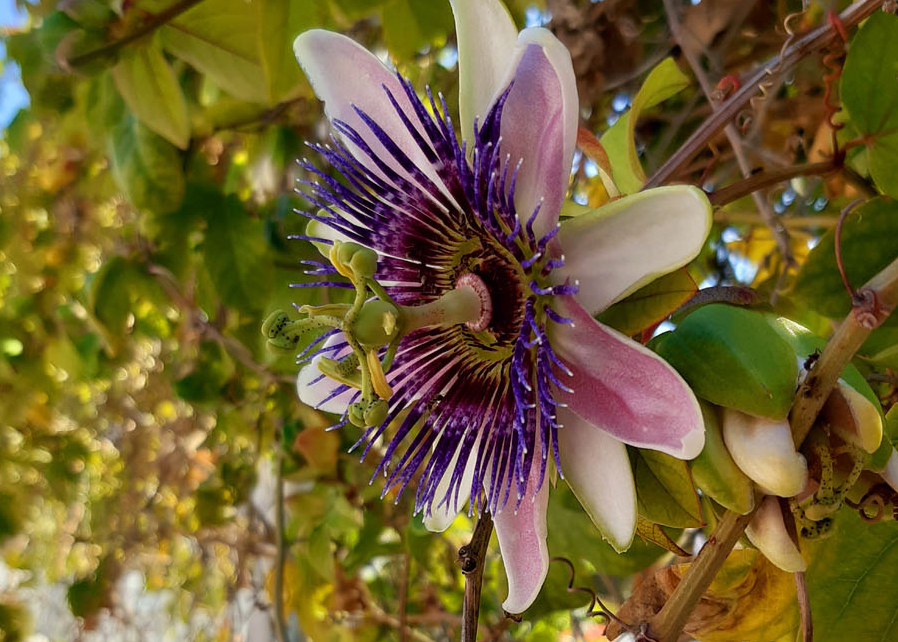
104,107
151,90
733,358
279,24
715,472
868,245
869,92
851,581
146,167
411,25
664,81
651,303
220,39
664,491
237,255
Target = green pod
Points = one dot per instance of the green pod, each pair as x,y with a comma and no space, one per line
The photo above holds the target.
732,357
715,472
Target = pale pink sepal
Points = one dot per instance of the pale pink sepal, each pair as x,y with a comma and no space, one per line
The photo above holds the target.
522,542
486,37
623,387
763,450
539,125
345,75
768,533
597,468
627,243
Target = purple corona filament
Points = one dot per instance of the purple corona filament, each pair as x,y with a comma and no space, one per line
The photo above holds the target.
483,390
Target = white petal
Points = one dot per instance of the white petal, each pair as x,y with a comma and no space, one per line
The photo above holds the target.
345,75
768,532
621,246
890,474
486,37
315,389
442,515
854,417
763,450
522,542
597,468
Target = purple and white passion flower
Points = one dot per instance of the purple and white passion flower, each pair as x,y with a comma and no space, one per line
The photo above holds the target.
470,356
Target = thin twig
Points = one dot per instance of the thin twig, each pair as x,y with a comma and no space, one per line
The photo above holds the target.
279,620
814,41
761,180
771,220
160,19
471,558
804,607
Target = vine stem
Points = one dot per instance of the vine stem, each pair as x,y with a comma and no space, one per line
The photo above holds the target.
771,220
760,180
814,41
668,623
471,558
158,20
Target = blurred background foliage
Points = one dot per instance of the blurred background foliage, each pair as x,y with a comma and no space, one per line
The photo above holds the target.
151,449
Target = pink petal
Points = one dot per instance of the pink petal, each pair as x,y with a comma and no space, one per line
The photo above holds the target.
539,125
522,542
597,468
345,75
486,37
616,249
624,388
316,390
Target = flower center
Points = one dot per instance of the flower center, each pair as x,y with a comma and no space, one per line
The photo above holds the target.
475,283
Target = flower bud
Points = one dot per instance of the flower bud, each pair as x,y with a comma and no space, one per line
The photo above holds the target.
768,533
763,450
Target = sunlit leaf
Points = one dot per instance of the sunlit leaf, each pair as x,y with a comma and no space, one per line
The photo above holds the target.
151,90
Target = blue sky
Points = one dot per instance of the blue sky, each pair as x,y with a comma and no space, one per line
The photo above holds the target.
13,96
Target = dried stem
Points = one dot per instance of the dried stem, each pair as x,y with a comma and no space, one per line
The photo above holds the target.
761,180
279,621
471,558
804,607
160,19
814,41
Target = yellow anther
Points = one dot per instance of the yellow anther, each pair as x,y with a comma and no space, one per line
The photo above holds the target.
378,379
342,268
